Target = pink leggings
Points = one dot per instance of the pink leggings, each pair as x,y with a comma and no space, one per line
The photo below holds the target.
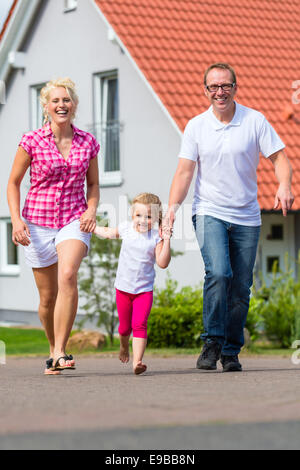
133,311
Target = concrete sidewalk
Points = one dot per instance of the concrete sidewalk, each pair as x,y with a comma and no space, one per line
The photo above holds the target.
103,398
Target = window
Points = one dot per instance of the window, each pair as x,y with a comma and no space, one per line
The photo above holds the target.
37,117
276,232
107,127
70,5
9,262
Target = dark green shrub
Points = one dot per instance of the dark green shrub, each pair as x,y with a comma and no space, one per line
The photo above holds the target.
176,317
254,319
279,304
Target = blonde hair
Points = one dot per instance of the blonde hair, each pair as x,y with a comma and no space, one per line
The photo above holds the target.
66,83
150,199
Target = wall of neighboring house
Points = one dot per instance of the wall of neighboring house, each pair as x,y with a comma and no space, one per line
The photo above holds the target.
76,44
279,236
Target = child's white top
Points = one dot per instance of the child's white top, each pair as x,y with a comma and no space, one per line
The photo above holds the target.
136,272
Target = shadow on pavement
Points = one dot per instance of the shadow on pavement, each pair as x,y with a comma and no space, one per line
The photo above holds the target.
250,436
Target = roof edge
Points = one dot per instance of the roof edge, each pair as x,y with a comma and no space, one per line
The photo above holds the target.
15,31
7,19
140,73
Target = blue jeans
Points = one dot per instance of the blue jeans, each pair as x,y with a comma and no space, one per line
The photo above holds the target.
229,252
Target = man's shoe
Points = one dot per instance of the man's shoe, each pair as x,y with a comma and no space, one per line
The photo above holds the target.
231,364
210,355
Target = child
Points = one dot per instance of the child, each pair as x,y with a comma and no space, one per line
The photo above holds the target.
142,246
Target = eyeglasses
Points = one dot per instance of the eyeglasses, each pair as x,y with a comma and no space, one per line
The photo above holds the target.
224,86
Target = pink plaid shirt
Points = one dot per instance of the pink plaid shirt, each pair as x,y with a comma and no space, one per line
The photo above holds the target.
56,196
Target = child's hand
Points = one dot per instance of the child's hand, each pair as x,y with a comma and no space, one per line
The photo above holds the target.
106,232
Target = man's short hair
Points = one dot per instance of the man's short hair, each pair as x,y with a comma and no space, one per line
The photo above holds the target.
220,65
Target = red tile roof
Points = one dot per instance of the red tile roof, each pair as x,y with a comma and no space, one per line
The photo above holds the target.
173,42
8,19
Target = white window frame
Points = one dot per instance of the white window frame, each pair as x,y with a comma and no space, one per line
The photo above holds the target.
35,121
107,178
5,268
70,5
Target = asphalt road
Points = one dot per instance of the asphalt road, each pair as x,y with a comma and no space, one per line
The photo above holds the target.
102,405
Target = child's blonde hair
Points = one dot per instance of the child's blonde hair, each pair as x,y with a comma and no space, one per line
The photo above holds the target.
66,83
150,199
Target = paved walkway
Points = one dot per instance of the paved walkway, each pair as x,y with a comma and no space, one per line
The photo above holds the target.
173,400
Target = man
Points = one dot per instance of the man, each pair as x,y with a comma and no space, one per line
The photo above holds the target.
226,141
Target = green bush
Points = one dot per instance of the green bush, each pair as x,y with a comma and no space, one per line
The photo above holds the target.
176,317
254,319
279,306
296,329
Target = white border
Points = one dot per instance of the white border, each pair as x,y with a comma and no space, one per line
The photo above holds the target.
109,178
5,268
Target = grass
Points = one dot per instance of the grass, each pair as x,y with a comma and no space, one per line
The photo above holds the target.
33,342
24,341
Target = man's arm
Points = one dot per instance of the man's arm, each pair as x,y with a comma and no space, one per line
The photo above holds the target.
283,172
179,188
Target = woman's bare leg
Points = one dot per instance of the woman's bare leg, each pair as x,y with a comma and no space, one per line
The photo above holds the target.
70,254
46,281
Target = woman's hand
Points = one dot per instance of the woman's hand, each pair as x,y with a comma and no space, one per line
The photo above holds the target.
88,221
20,233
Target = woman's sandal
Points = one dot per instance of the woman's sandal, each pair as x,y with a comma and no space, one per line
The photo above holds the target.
57,366
71,359
48,370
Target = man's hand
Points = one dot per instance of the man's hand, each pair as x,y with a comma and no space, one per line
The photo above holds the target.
284,197
283,172
169,218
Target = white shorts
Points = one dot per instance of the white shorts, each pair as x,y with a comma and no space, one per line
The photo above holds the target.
41,252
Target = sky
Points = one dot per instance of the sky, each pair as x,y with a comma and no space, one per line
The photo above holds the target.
4,9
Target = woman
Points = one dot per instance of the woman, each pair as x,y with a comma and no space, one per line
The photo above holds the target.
58,220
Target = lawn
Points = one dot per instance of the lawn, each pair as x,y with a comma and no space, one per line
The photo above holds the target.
33,342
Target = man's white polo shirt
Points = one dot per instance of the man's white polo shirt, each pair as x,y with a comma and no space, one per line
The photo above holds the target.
228,156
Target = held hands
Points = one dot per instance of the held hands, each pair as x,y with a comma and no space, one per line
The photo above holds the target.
21,233
169,218
166,230
88,221
285,197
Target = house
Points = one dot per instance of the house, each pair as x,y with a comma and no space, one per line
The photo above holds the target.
138,66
